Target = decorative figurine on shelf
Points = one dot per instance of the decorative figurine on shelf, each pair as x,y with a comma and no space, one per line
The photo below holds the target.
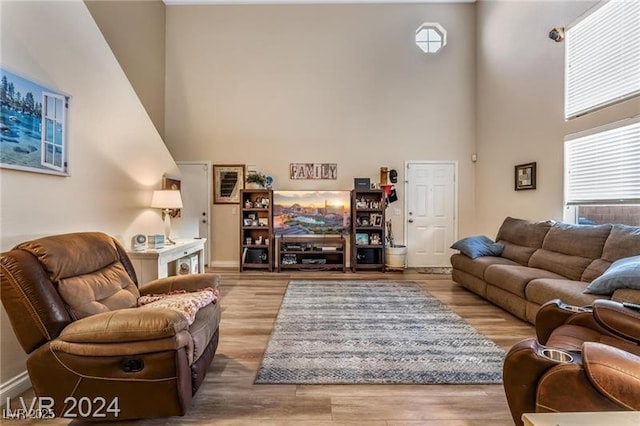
268,182
248,204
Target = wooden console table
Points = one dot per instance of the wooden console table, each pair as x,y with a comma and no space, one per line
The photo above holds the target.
151,264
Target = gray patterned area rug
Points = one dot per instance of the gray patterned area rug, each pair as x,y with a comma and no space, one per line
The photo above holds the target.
349,332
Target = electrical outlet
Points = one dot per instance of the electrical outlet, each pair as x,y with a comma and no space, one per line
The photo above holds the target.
397,212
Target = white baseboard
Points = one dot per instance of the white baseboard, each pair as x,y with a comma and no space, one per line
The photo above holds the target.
224,264
14,387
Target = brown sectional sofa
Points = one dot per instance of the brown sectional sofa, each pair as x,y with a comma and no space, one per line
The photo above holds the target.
542,261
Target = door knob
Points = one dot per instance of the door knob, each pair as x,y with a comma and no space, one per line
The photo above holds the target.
410,220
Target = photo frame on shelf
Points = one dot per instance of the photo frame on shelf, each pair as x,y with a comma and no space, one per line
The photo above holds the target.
247,221
228,180
362,239
375,219
525,176
362,221
263,221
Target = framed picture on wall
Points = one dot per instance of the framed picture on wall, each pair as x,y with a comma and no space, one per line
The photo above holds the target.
525,176
33,120
228,180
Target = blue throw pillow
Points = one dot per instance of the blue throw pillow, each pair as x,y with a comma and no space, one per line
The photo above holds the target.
477,246
623,273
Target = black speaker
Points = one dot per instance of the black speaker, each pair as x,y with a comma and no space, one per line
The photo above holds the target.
256,256
368,256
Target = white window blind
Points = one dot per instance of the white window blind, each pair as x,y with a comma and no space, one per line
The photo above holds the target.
604,167
603,58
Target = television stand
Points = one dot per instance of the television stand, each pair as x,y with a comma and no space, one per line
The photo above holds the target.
312,252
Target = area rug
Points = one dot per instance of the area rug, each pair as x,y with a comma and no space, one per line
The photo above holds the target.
349,332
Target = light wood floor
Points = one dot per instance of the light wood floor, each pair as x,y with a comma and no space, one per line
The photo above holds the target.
250,304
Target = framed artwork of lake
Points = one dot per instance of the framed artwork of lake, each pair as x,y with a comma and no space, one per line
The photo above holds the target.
33,126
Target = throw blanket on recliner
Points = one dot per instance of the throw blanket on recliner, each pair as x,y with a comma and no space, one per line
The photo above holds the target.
186,303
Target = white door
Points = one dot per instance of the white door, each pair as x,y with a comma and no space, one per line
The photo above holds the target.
195,189
430,213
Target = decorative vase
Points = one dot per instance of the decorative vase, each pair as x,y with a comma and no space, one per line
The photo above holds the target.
395,257
254,185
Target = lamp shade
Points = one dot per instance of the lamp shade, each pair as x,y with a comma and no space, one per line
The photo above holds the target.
166,199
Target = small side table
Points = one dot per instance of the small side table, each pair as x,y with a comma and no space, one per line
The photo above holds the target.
151,264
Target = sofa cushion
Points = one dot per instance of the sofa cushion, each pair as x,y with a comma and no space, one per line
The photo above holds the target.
561,254
514,279
125,325
595,269
542,290
626,295
623,273
64,256
570,337
107,289
476,267
516,253
562,238
477,246
623,241
521,238
568,266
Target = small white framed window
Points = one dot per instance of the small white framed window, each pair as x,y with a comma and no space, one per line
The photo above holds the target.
431,37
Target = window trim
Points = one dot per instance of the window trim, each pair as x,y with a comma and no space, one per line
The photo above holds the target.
435,27
61,121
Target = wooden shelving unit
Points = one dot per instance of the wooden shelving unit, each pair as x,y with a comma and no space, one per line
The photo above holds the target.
368,229
256,229
311,253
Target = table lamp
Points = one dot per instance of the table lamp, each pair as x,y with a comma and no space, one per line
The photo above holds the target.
166,200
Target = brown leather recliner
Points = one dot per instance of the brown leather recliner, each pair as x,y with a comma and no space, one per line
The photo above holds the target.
72,302
584,359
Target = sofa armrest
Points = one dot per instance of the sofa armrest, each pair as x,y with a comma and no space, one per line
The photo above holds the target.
125,325
555,313
618,319
180,282
614,372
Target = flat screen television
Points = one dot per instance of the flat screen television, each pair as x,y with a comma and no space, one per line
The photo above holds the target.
311,212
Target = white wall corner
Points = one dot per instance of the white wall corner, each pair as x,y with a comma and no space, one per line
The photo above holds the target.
14,387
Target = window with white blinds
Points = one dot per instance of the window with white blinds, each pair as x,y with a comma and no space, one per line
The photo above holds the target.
602,57
603,166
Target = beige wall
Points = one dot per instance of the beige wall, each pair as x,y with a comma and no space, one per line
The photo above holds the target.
271,85
116,154
135,32
520,108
